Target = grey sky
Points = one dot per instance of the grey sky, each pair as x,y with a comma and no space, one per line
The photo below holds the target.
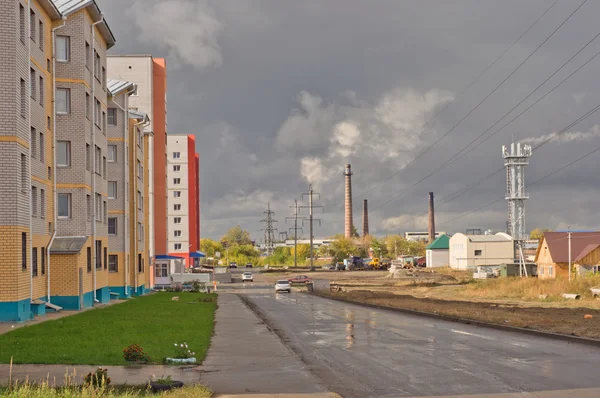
282,92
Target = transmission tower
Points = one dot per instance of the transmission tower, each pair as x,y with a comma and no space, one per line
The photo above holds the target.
515,161
311,219
269,229
295,217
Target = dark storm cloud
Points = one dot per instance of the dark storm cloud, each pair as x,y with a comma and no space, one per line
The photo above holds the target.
283,93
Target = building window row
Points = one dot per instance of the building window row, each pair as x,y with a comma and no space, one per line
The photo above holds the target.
113,263
112,153
34,202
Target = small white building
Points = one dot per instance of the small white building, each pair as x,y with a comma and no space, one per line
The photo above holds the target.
437,253
470,251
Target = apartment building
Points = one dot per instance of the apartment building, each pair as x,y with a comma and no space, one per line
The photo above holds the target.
150,76
183,197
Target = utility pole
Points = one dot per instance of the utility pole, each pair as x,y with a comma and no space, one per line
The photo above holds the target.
569,238
295,218
269,229
311,219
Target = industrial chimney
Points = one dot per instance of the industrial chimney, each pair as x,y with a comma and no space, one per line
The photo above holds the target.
365,219
348,202
431,219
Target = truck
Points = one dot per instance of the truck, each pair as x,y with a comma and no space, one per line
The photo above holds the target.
354,263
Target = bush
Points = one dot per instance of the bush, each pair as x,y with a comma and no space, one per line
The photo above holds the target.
99,378
135,353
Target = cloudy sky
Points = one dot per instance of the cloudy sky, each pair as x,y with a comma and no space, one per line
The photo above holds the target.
283,93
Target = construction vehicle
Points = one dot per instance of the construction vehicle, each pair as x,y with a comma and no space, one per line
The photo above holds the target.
354,263
375,263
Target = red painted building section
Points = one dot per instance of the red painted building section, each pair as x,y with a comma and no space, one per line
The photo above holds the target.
192,193
198,197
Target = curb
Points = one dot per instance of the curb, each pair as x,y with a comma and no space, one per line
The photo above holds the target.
513,329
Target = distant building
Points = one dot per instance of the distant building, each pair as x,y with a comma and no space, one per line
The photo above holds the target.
469,251
552,256
420,236
437,253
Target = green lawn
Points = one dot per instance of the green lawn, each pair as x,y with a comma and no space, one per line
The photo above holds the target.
98,337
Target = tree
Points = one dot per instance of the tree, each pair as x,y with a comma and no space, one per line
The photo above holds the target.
395,245
236,236
354,231
538,233
342,248
303,252
210,247
379,248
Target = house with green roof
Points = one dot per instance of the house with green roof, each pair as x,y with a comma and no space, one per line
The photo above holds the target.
438,252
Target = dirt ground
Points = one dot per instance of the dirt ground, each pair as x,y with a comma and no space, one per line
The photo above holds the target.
570,321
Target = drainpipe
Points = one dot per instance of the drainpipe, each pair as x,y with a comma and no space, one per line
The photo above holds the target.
28,16
126,194
55,200
93,98
135,211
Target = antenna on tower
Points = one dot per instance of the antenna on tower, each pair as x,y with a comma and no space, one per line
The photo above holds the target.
269,229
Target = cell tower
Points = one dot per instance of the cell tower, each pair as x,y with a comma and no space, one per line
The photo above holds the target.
515,161
269,229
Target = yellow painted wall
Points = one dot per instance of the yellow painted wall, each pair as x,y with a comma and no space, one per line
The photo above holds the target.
14,282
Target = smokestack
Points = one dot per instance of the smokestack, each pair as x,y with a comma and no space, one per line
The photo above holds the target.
348,202
365,219
431,219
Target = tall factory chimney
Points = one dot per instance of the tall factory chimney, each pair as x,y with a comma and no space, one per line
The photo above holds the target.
431,219
365,219
348,184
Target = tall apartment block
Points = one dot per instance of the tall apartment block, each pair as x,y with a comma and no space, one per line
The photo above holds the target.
150,76
128,200
183,185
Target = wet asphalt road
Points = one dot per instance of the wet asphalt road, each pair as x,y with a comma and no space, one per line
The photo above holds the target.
362,352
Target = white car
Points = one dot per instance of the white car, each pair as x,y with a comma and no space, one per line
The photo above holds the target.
247,277
283,286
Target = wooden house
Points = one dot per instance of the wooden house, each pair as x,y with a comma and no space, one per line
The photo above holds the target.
552,256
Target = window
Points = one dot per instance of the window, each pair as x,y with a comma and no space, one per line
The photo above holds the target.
23,251
140,200
88,157
177,234
139,232
104,167
542,270
87,105
113,263
96,64
176,194
48,64
63,48
41,35
63,153
104,122
105,257
64,205
32,25
22,23
112,225
478,252
33,139
97,114
63,101
24,181
42,91
140,263
34,263
112,116
42,203
103,77
34,201
88,201
177,168
176,155
32,87
105,218
89,259
177,220
551,270
43,260
49,122
112,153
176,181
112,189
176,207
161,271
87,55
98,207
98,254
177,246
140,139
98,160
23,98
42,148
50,173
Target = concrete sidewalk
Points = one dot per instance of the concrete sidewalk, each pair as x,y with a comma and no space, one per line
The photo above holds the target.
245,357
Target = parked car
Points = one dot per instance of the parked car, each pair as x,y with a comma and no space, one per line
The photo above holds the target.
283,286
329,266
299,279
247,277
249,265
232,265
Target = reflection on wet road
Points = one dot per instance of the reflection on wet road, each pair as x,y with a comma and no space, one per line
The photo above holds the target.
362,352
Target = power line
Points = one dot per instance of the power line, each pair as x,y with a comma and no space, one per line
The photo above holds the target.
460,154
420,129
311,208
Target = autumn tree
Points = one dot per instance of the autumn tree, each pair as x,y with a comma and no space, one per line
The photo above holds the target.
210,247
342,248
236,236
538,233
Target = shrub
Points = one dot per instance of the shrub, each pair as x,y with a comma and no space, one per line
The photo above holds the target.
135,353
182,351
